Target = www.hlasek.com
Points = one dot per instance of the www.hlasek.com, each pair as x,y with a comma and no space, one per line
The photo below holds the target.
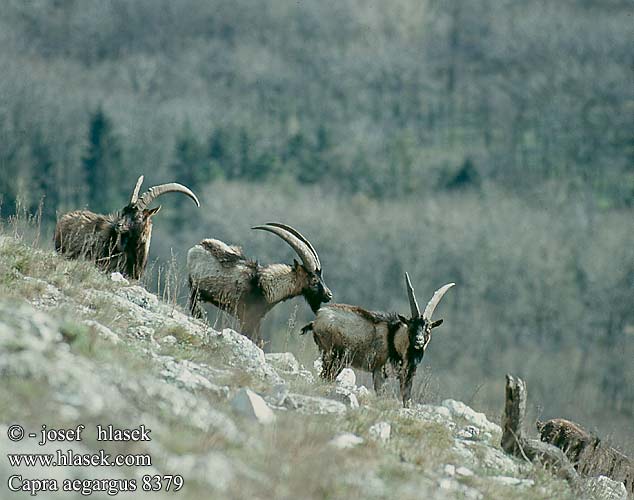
69,458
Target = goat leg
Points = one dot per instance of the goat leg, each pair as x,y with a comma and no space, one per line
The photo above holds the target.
378,379
406,377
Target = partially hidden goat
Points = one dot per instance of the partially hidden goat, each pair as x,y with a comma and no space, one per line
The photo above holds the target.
587,453
221,275
377,342
119,241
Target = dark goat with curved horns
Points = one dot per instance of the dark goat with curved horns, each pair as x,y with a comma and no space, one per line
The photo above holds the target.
375,341
119,241
221,275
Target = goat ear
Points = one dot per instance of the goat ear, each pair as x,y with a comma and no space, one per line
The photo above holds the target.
151,212
296,264
403,318
436,323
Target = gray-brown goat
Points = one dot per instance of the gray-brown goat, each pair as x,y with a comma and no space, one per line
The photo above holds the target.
375,341
587,453
222,275
119,241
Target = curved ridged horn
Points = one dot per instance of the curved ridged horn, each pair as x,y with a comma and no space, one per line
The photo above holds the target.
435,299
296,244
413,305
155,191
299,235
137,188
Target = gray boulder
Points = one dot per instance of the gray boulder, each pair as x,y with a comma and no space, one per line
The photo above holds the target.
346,396
248,403
604,488
312,405
284,362
380,432
460,410
345,440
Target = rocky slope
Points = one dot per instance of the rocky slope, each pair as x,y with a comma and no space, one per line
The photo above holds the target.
78,347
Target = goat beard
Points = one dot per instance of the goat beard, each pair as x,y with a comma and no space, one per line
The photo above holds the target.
313,299
419,342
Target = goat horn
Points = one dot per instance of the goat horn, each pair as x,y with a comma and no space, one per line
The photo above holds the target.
155,191
299,235
135,193
435,299
413,305
296,244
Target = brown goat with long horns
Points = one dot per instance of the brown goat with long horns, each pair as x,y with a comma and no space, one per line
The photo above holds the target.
221,275
375,341
119,241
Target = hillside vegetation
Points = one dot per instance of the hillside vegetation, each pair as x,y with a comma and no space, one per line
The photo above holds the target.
79,348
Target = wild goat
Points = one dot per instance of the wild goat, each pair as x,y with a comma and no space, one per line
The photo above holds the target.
567,436
119,241
375,341
222,275
587,453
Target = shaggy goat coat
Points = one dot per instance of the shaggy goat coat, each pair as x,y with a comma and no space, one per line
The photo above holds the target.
587,453
96,237
371,339
222,275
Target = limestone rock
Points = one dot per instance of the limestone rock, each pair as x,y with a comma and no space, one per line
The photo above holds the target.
380,432
139,296
48,296
346,396
454,489
346,440
169,340
250,404
463,471
278,397
469,432
429,413
246,355
604,488
362,392
117,277
346,379
313,405
103,332
460,410
479,454
38,332
189,375
283,361
306,375
512,481
286,364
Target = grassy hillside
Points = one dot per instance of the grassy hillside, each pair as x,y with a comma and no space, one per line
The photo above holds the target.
543,290
78,348
543,293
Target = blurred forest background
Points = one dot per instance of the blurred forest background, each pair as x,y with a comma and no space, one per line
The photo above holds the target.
486,142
